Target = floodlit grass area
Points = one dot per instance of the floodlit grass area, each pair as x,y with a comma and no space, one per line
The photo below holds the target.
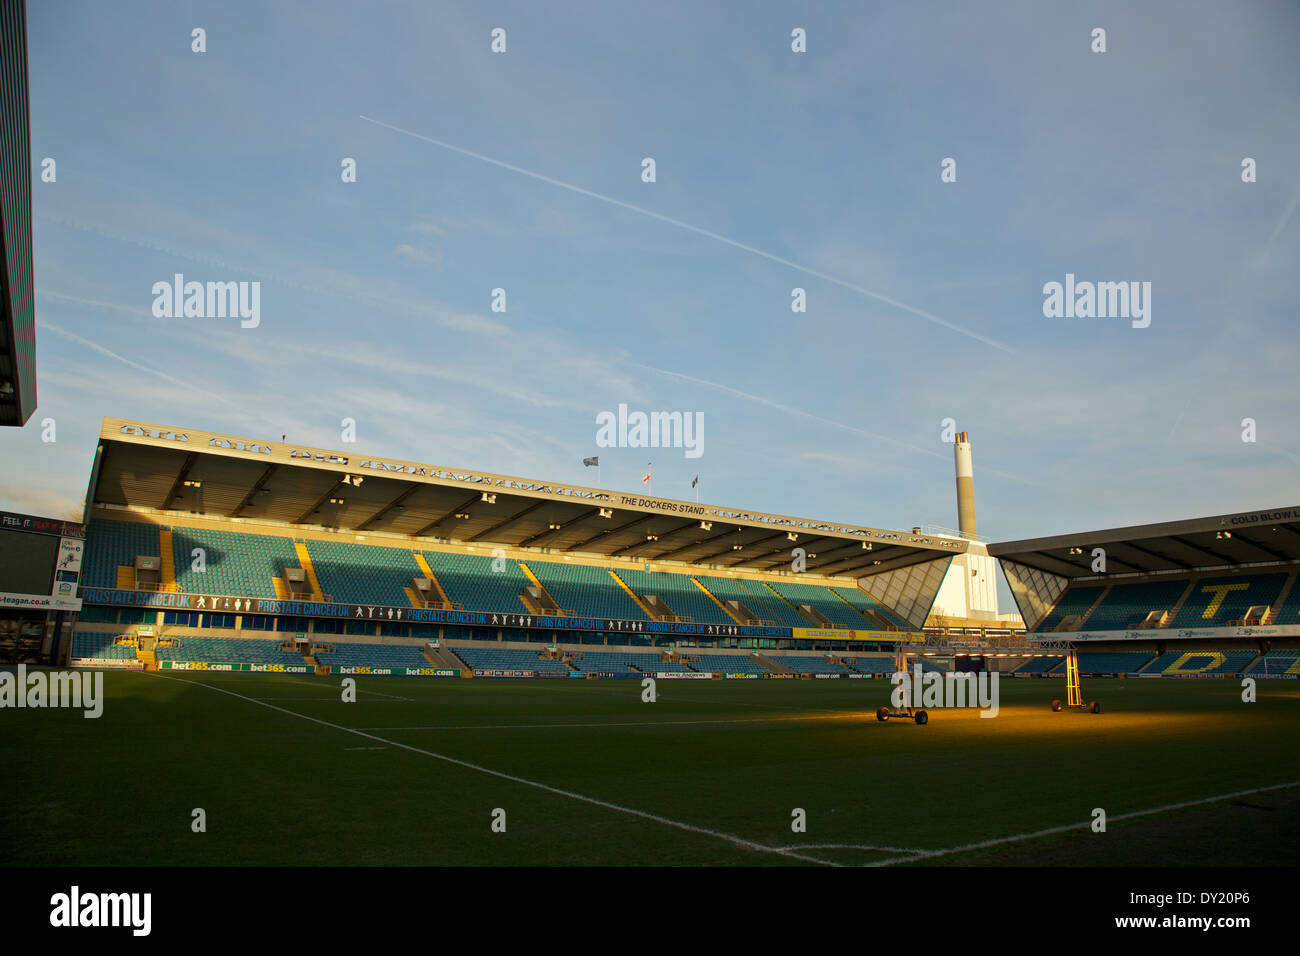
587,773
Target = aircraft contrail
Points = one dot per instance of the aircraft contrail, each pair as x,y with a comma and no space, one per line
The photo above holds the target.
699,231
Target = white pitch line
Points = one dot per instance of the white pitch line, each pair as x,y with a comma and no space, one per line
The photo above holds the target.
688,827
629,723
849,846
1052,831
395,700
928,316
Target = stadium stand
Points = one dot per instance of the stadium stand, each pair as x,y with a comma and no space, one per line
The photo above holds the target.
372,655
1127,605
811,664
1200,662
586,590
1041,665
235,563
228,651
1288,612
864,603
507,658
471,580
824,601
1212,604
1123,662
735,589
364,573
1074,602
114,544
617,662
871,664
681,594
102,647
725,663
1275,663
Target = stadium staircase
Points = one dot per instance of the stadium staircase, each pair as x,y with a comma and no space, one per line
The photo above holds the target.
772,664
875,618
446,658
543,602
633,595
308,570
168,559
1178,605
814,616
726,610
1083,618
1282,597
148,658
434,583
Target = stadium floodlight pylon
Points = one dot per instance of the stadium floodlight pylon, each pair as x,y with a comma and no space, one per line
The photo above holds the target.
1073,686
907,711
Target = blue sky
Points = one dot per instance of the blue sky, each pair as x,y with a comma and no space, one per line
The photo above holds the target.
375,299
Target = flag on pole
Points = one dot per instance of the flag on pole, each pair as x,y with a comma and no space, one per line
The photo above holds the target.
647,476
592,461
696,481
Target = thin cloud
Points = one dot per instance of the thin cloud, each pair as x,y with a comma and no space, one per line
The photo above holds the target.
928,316
187,386
421,255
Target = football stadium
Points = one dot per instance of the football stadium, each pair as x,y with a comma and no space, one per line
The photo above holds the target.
606,674
657,441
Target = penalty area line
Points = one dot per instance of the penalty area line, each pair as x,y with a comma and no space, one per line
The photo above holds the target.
1053,831
688,827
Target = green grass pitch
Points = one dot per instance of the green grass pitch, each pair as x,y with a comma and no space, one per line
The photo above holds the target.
589,774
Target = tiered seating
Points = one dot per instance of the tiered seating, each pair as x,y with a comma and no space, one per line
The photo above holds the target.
1073,601
236,563
871,664
102,647
1123,662
681,594
1199,662
1289,611
1039,665
811,664
469,579
229,650
1258,589
507,658
1276,662
824,600
1127,605
864,603
725,663
620,662
770,608
113,543
363,573
373,655
588,591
